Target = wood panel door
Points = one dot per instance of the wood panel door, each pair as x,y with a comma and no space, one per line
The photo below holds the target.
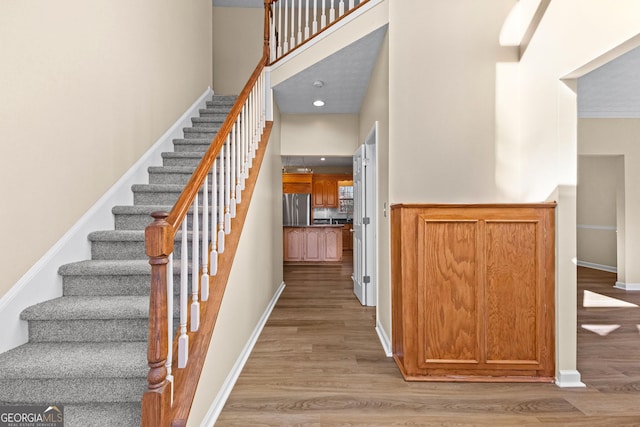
314,244
333,244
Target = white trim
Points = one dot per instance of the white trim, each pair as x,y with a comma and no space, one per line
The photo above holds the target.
569,378
597,227
595,266
627,286
221,398
384,340
42,282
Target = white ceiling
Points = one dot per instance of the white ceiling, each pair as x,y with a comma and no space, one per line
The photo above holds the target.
613,90
316,161
238,3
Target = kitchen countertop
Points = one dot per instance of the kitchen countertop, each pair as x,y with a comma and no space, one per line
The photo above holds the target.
315,226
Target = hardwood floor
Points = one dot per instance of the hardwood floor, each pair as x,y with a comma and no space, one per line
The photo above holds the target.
319,362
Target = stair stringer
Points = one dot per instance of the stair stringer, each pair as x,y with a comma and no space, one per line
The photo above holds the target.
42,281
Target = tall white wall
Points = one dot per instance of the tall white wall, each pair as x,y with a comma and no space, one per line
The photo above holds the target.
573,38
375,108
86,88
237,46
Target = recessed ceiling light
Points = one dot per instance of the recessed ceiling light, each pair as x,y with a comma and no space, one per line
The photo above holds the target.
322,159
318,83
318,103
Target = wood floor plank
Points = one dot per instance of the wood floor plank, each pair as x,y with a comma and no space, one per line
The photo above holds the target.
319,362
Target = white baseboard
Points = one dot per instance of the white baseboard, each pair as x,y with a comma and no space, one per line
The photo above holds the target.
221,398
627,286
569,378
384,340
595,266
42,282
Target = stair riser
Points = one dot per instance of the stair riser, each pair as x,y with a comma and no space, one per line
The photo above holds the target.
141,221
103,415
88,330
157,198
181,161
72,390
207,122
216,114
130,285
171,177
190,147
108,250
200,133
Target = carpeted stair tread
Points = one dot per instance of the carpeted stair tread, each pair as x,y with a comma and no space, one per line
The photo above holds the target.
106,268
75,360
89,307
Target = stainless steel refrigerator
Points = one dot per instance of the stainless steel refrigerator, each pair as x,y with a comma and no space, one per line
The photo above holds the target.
296,209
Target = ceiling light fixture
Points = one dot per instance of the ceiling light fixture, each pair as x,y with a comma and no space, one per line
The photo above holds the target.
318,83
318,103
322,159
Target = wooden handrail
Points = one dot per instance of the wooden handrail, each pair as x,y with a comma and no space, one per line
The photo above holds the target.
159,242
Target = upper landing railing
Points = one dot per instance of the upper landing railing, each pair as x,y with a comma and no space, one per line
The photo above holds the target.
294,22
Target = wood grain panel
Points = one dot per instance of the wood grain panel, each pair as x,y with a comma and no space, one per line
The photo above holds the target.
512,309
447,292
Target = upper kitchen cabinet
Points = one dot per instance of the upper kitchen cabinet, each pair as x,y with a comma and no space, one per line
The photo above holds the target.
297,183
325,190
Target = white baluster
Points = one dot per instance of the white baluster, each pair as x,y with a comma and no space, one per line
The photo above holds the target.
299,21
350,4
279,48
238,186
306,19
341,8
213,256
285,36
314,24
323,16
183,341
204,278
227,186
170,323
195,268
232,180
292,42
221,203
332,12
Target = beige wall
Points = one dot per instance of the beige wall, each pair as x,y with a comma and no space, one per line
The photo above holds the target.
375,107
569,41
442,96
86,88
620,137
237,47
596,209
320,134
255,276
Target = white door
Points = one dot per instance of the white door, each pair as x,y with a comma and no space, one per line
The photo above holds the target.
359,244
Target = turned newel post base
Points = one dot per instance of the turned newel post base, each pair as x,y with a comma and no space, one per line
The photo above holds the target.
156,402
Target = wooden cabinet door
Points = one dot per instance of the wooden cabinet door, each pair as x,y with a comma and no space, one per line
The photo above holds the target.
318,193
293,244
347,237
333,244
314,244
331,193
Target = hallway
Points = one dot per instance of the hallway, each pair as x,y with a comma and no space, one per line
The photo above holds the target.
319,362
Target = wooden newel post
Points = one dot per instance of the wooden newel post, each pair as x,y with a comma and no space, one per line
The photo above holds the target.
267,26
156,401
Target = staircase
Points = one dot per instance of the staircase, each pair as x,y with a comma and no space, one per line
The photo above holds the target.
87,350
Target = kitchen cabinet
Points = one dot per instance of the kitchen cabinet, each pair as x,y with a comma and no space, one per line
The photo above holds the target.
297,183
312,244
473,292
325,191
